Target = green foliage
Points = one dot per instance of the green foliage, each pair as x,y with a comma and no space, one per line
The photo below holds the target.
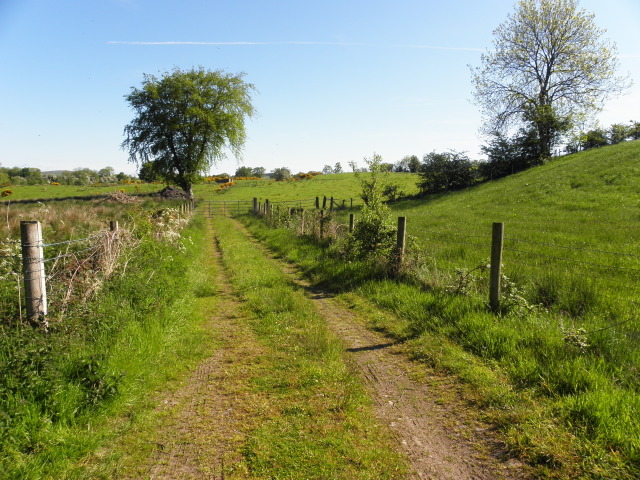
374,234
441,172
243,172
148,172
281,174
549,68
185,120
506,156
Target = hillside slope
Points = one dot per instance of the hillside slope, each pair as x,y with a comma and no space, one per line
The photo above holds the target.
558,201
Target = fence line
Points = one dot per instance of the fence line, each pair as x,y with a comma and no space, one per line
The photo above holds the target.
304,226
33,278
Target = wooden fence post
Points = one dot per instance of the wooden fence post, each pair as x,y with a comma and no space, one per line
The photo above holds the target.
33,269
113,225
497,238
318,202
255,206
401,240
331,205
324,202
352,219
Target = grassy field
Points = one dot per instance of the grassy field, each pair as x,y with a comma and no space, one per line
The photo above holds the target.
52,192
342,186
558,368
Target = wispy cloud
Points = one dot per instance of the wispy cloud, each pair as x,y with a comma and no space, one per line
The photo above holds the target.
335,44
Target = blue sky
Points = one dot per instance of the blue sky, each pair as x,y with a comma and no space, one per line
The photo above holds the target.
336,80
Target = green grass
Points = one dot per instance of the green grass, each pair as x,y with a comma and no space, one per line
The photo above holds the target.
49,192
68,392
561,379
321,421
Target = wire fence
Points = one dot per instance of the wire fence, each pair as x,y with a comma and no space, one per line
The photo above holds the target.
34,273
568,278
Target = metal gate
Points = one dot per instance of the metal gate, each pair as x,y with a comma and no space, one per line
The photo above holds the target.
209,208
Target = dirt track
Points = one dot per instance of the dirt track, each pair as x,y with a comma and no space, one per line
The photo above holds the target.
207,419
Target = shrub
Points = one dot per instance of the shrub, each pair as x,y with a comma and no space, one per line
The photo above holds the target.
374,234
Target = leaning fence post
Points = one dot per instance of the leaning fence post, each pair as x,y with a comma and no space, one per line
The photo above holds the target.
33,269
401,241
352,219
497,238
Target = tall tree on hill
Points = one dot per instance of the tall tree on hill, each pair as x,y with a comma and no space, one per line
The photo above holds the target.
186,120
550,68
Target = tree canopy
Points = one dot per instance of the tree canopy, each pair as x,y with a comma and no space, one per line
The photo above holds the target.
550,68
187,120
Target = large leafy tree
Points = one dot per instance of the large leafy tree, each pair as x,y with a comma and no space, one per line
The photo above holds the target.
186,120
549,68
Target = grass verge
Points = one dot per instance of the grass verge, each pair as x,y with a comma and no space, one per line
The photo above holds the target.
67,392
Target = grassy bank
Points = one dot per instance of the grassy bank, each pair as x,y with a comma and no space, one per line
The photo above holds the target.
66,392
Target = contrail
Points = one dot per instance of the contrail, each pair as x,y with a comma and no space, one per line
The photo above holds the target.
334,44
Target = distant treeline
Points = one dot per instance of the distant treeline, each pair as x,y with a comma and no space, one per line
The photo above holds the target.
84,176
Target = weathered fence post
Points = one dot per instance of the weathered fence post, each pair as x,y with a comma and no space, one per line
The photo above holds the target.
33,269
318,202
331,205
324,202
255,206
497,238
401,240
352,219
113,225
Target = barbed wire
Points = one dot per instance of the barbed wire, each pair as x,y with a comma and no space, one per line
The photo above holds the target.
78,240
69,254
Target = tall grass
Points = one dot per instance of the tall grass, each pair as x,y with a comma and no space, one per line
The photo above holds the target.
60,390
